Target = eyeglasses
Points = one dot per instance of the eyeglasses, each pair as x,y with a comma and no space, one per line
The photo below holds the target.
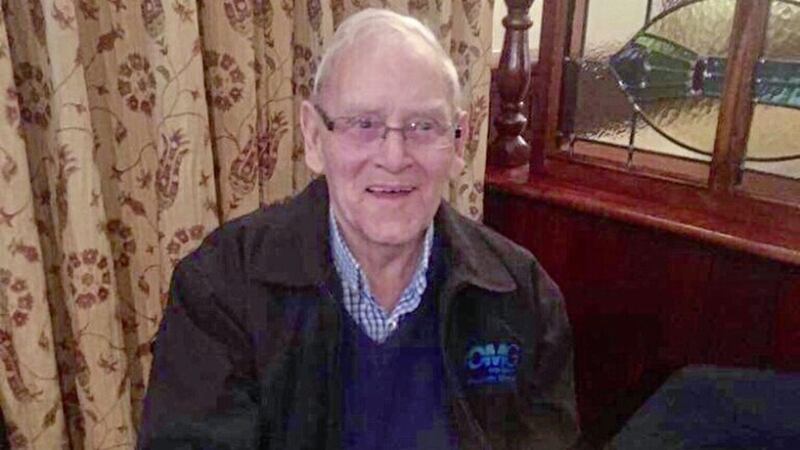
365,129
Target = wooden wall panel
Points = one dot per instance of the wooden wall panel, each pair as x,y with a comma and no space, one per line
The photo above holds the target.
739,310
787,328
644,302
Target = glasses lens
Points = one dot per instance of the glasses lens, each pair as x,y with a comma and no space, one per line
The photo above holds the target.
368,129
427,133
362,129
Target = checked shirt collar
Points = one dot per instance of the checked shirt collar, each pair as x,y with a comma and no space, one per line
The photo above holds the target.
358,299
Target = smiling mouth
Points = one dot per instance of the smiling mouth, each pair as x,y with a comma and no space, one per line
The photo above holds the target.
390,191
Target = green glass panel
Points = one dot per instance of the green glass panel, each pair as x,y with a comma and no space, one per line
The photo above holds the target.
778,83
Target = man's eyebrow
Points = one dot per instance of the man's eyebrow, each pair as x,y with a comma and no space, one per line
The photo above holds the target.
436,109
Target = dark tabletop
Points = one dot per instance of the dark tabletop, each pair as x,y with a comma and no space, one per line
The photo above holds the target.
706,407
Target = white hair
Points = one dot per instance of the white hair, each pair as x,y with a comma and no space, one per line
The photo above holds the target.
361,24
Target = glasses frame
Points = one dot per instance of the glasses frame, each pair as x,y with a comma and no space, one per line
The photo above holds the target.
329,124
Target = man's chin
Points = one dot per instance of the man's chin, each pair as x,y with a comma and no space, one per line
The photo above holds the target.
393,237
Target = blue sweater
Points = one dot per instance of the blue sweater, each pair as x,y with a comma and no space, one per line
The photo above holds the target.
394,393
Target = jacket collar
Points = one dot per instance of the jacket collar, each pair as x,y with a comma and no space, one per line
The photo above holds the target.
294,250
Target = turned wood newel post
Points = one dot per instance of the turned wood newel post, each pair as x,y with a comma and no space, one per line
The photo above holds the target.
509,148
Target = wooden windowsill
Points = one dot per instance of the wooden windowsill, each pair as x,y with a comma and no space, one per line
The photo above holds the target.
734,221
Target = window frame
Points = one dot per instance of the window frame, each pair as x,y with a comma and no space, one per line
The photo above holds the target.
566,23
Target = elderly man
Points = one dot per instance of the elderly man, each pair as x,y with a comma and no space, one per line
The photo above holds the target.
365,313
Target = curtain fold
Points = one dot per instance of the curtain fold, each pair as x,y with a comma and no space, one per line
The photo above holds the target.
128,131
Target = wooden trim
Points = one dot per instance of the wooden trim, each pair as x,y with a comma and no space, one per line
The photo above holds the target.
547,107
736,108
735,221
577,23
771,187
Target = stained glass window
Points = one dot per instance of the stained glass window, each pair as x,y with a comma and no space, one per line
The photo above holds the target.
652,73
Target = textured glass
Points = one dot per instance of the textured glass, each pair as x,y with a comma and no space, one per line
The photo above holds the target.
690,122
610,24
788,169
602,112
702,26
774,143
775,133
659,6
783,33
649,138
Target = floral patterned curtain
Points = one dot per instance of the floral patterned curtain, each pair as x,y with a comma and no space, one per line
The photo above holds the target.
129,129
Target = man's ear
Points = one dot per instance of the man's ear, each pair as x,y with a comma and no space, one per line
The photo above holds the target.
461,137
311,127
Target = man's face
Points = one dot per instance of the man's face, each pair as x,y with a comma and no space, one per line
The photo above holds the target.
385,192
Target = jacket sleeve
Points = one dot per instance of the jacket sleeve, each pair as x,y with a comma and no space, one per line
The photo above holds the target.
552,419
202,392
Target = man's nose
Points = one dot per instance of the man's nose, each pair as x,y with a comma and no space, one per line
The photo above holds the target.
393,155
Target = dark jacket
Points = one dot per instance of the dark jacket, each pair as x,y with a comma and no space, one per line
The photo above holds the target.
247,353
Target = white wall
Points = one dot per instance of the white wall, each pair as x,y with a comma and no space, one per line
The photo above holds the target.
534,32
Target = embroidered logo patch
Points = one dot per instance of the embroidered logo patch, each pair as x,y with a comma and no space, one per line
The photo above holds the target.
492,363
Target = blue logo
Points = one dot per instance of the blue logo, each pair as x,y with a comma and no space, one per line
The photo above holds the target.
492,363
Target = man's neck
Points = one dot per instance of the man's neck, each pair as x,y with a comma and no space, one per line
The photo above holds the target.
389,268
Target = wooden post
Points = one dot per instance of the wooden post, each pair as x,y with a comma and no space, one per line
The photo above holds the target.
736,106
509,149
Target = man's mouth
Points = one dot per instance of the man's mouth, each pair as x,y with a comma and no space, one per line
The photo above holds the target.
390,191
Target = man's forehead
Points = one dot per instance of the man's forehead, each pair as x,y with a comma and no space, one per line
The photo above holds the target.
350,85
